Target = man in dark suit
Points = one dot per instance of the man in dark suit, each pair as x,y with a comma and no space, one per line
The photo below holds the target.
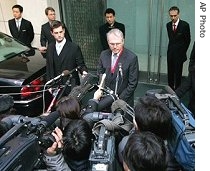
63,55
21,28
189,83
110,24
179,41
121,67
46,36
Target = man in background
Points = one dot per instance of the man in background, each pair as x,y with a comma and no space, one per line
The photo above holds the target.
179,40
21,28
46,36
110,24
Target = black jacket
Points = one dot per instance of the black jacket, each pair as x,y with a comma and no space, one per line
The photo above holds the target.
46,36
104,29
26,32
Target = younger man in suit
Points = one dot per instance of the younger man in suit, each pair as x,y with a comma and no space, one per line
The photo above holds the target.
21,28
110,24
179,40
46,36
63,54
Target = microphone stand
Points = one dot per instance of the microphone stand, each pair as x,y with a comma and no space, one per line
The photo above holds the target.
68,83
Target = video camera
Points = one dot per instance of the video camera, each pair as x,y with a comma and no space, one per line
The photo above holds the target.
22,146
102,155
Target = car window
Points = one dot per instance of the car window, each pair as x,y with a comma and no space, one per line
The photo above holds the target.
10,47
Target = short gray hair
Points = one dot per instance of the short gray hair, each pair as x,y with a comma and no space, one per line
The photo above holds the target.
115,32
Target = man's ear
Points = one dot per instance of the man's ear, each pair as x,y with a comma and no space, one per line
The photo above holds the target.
51,32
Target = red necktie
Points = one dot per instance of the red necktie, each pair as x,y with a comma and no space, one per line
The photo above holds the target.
174,27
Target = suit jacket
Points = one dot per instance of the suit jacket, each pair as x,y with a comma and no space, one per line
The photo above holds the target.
105,28
46,36
70,58
178,41
129,79
26,32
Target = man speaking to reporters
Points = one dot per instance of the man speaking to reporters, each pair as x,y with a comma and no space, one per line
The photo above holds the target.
121,67
63,55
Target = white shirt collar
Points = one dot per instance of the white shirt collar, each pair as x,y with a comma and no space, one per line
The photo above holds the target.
176,23
61,44
20,19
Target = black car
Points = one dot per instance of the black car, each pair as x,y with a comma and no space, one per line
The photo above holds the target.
23,75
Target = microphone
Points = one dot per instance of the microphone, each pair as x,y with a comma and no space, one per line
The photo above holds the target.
79,92
48,120
126,108
120,69
64,73
106,101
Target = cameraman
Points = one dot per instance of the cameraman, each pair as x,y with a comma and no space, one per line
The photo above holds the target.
144,144
71,149
152,115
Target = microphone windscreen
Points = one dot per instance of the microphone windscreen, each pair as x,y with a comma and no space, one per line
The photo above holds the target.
79,92
65,72
118,104
169,90
50,119
89,79
106,102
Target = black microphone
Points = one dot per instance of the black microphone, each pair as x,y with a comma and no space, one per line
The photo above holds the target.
120,69
48,120
64,73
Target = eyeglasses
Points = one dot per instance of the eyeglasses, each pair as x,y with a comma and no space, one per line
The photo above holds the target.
113,44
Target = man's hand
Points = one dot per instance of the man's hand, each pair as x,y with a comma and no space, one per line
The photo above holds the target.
42,49
58,144
84,74
98,94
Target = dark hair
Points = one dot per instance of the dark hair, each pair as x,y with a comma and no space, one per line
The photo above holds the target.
109,11
19,7
56,24
49,9
145,151
174,8
77,140
153,115
68,107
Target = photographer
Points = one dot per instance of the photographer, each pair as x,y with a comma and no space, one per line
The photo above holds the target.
152,115
71,149
149,150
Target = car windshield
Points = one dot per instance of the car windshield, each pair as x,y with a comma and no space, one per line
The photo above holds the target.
10,47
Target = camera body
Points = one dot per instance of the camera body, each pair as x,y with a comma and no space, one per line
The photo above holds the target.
102,156
21,148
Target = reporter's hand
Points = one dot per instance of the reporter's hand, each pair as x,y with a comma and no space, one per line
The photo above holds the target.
58,144
98,94
42,49
84,74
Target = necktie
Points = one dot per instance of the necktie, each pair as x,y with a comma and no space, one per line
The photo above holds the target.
114,59
174,27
